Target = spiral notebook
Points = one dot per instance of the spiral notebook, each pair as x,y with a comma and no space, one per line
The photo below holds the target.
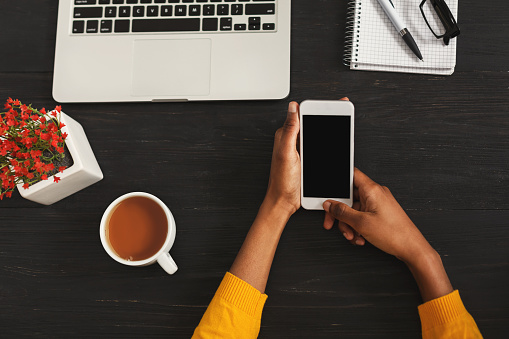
373,44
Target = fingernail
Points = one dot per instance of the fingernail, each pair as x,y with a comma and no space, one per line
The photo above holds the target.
326,206
358,242
292,107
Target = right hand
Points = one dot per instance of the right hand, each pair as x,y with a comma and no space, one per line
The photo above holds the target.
378,218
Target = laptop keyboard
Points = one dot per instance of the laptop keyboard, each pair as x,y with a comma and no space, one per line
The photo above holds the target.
103,17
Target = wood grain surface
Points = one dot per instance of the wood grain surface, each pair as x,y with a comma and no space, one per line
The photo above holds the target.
440,143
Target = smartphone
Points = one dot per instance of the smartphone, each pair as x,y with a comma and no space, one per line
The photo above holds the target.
326,152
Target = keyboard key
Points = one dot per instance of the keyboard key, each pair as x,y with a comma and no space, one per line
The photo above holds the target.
92,26
138,11
110,12
124,11
239,27
166,25
180,10
194,10
166,10
208,9
210,24
104,2
226,24
222,9
106,26
255,20
122,26
269,27
88,12
78,26
254,27
152,11
118,2
85,2
237,9
260,9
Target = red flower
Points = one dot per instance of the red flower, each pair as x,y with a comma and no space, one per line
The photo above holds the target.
25,134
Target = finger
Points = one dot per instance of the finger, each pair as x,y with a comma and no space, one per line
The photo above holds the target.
358,240
346,230
360,179
345,99
291,127
328,222
356,196
342,212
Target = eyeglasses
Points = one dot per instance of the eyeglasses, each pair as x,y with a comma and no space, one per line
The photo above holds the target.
441,22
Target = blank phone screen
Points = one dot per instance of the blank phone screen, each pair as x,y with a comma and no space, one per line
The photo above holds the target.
326,156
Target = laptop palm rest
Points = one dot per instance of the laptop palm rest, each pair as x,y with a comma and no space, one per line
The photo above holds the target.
169,68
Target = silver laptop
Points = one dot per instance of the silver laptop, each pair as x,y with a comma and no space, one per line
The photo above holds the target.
172,50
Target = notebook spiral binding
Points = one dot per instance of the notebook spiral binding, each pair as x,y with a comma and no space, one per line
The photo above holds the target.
352,32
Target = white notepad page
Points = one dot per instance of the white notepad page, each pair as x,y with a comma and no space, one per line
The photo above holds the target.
378,46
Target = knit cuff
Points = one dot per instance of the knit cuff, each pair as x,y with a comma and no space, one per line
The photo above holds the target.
441,310
242,295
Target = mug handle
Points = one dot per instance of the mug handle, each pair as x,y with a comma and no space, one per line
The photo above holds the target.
167,263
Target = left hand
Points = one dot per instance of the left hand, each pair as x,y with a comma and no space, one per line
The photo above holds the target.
284,181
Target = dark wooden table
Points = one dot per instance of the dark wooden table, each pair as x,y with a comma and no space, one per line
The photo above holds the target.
440,143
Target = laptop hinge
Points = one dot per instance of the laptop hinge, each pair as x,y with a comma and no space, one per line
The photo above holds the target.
170,100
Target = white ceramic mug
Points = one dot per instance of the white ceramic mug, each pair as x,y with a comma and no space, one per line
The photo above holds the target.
162,256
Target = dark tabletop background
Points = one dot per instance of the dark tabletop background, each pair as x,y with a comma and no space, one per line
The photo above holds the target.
440,143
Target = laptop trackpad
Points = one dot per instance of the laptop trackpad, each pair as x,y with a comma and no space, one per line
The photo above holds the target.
171,67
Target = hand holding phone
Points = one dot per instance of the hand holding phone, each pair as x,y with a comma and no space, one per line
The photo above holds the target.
326,151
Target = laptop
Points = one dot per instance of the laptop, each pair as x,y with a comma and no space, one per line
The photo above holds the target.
172,50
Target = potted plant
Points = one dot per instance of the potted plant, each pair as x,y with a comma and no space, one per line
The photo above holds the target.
45,155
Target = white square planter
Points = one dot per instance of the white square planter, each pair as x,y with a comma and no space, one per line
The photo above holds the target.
84,172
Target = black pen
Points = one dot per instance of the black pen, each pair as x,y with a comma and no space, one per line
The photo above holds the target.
389,9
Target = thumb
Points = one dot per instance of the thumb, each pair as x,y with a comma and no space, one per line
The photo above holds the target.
291,126
343,213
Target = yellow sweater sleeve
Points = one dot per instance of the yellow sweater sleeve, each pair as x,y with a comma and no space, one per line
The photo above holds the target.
234,312
446,317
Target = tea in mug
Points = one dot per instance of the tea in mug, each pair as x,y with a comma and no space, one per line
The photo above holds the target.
137,228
